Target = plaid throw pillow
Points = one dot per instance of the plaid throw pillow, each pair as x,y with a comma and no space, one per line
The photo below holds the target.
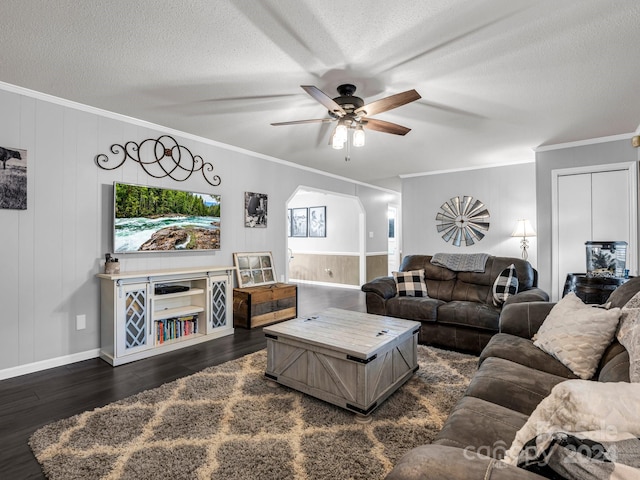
506,284
410,284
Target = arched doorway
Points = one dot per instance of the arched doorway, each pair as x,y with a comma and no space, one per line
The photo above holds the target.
326,238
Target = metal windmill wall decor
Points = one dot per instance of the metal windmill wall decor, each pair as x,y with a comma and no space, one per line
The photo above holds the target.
462,220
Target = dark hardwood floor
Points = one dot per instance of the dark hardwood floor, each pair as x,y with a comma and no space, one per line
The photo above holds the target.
30,401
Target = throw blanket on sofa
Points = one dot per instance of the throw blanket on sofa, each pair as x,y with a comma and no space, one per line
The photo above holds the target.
461,262
597,454
583,429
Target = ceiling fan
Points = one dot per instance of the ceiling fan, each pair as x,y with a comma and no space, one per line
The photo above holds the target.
351,113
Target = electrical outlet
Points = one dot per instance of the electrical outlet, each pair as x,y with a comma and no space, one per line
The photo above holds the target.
81,322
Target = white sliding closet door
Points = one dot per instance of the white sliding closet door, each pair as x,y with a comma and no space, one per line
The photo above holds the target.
597,205
610,207
574,224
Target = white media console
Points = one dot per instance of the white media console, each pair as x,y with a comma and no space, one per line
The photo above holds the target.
138,320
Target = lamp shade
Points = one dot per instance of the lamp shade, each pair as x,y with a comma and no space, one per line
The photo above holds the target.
523,228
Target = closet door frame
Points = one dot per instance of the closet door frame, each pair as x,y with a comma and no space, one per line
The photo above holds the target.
632,176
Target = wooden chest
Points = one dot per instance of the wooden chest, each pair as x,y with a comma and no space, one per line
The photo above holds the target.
264,304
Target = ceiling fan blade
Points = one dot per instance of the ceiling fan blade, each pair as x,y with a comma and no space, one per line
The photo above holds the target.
386,127
324,99
388,103
298,122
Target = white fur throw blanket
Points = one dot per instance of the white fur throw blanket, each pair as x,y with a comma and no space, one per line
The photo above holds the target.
583,429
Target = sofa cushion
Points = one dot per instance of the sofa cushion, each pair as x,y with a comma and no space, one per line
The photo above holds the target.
413,308
480,427
469,314
577,334
615,369
523,351
478,287
439,462
454,337
410,284
628,334
506,284
621,295
511,385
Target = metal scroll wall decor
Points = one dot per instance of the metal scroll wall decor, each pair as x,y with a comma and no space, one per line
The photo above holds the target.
160,157
462,220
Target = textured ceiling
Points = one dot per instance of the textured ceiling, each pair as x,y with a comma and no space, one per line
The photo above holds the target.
497,77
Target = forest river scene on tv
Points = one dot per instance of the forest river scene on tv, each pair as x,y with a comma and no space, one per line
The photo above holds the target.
149,219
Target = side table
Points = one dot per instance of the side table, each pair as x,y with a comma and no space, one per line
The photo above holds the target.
594,290
264,304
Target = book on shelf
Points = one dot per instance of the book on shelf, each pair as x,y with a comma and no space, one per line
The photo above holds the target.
175,328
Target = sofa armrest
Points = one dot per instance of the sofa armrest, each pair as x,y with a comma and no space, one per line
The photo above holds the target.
385,287
439,462
532,295
524,319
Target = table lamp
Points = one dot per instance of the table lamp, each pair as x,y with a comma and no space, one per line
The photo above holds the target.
524,229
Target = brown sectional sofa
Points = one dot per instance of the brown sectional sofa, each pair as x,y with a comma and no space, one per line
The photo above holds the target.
513,377
459,312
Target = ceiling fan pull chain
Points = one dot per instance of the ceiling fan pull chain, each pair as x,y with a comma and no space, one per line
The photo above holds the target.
348,156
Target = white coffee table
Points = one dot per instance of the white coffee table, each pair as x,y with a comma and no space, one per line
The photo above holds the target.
351,359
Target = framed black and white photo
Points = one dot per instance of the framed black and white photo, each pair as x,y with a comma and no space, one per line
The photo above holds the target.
317,221
13,178
255,210
299,222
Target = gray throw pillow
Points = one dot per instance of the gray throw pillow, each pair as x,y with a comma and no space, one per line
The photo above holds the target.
577,334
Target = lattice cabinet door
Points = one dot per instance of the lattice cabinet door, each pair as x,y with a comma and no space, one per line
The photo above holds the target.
132,325
219,303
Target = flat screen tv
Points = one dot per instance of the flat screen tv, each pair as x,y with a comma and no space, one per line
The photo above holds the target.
154,219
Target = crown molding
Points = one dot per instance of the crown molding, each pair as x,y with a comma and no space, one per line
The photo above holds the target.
143,123
582,143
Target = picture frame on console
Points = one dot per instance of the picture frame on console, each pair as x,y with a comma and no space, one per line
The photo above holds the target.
254,268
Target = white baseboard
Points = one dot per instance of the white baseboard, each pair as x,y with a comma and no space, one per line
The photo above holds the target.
46,364
325,284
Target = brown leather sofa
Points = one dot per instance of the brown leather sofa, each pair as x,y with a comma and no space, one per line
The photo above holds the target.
513,377
459,312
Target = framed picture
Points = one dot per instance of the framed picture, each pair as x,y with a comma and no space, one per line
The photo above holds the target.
299,222
13,178
254,268
255,210
317,221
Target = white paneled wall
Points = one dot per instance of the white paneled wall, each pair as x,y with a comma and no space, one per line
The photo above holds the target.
50,253
508,192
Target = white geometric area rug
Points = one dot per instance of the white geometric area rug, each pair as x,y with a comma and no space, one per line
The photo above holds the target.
226,422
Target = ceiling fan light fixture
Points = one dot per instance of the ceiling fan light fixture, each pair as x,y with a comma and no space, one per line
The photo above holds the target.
358,136
337,145
341,133
336,142
351,112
